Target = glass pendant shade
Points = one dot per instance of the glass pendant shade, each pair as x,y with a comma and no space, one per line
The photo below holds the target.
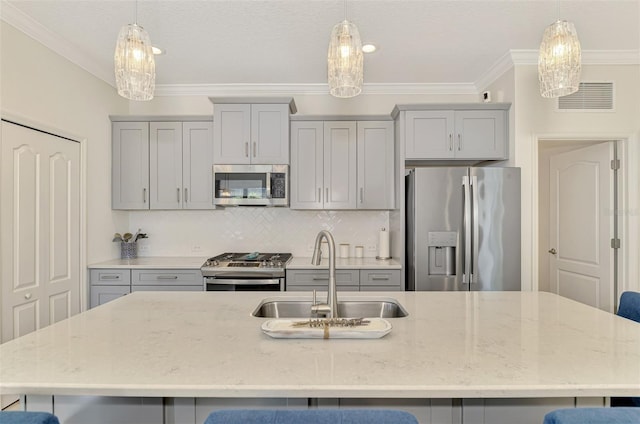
135,66
345,61
559,63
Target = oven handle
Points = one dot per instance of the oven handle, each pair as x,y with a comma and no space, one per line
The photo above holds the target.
237,282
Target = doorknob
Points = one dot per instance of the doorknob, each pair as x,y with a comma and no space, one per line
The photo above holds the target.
553,251
27,296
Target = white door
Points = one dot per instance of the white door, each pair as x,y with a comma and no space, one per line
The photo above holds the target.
40,227
581,225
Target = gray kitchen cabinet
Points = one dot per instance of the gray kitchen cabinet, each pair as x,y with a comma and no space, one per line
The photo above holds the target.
342,165
107,285
180,161
251,133
130,165
346,280
376,182
380,280
316,279
162,164
166,280
477,134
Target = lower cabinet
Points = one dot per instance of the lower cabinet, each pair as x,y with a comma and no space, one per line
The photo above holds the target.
346,280
109,284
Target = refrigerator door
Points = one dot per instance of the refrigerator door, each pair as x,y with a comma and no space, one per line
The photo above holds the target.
435,234
496,228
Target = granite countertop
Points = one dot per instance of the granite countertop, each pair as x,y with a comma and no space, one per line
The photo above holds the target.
345,263
452,345
154,262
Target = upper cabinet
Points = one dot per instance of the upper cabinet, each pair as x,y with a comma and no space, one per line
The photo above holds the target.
479,132
251,131
342,165
162,165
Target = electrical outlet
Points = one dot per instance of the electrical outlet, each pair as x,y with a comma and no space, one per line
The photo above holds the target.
196,249
143,247
372,247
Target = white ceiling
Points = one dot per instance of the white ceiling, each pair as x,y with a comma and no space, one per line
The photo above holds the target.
285,41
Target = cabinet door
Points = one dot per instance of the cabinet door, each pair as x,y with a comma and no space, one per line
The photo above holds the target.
130,165
318,279
379,280
104,294
270,134
307,165
231,133
481,134
429,134
197,165
165,165
340,165
376,180
166,277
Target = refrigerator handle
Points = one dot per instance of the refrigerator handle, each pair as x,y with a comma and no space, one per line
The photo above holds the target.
474,262
466,275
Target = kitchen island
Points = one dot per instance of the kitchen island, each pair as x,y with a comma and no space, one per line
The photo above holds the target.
467,346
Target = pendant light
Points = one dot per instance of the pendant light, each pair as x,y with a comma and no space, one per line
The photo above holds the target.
135,66
559,62
345,62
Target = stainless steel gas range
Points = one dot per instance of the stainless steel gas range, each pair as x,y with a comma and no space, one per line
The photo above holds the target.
246,271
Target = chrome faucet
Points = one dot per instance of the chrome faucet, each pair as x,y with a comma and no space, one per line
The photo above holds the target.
331,307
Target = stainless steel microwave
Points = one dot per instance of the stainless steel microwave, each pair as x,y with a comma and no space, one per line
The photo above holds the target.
251,185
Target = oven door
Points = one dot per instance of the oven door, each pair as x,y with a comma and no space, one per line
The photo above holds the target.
250,284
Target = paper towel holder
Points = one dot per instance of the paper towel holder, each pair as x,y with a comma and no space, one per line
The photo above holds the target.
383,258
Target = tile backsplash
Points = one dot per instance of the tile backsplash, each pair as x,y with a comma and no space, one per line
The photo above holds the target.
240,229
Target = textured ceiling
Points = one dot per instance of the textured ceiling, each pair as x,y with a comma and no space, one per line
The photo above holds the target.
285,41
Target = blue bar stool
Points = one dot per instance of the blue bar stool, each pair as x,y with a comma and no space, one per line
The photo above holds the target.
310,416
24,417
593,416
629,308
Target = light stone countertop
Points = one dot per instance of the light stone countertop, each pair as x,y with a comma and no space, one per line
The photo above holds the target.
452,345
345,263
153,262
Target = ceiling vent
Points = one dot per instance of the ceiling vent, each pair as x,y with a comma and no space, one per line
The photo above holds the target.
591,96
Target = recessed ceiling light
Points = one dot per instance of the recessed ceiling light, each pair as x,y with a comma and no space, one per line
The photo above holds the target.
369,48
157,50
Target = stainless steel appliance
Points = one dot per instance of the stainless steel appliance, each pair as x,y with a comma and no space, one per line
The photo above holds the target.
251,185
463,229
245,271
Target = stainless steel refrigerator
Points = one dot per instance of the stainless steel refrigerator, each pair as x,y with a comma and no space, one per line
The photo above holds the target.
463,229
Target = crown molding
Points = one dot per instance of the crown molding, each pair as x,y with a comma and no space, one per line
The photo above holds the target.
496,70
589,57
306,89
16,18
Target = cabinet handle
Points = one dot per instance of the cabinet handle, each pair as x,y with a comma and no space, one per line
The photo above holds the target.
144,195
178,197
459,142
186,194
361,194
320,278
167,277
255,147
381,277
110,277
450,142
327,195
27,296
319,194
246,149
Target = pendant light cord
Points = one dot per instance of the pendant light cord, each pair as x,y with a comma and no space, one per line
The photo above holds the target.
135,21
345,10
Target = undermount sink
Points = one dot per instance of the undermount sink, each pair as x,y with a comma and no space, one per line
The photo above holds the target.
364,308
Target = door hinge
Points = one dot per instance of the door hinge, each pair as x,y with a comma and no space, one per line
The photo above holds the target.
615,164
615,243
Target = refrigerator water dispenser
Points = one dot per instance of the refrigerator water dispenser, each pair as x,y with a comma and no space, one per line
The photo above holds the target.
442,252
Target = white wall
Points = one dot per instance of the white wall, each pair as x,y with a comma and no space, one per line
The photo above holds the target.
536,119
45,88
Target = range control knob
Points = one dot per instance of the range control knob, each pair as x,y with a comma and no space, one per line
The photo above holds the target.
263,264
215,263
271,264
279,264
